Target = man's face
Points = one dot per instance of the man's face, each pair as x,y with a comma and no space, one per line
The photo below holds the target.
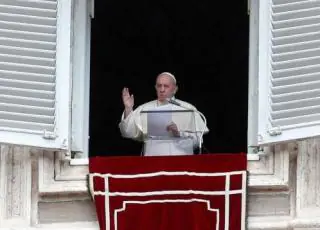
165,87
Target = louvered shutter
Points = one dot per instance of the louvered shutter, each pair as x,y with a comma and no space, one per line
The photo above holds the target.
35,72
289,70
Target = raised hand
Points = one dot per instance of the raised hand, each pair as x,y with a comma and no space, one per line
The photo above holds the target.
128,100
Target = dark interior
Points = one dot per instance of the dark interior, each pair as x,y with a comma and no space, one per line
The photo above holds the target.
203,43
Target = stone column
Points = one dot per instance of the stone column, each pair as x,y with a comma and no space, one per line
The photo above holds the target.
308,186
16,196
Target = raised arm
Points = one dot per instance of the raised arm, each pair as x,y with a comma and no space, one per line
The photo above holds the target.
127,125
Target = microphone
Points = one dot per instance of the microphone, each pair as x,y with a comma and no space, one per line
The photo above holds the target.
174,102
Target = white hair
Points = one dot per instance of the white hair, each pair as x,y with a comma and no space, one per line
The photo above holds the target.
170,75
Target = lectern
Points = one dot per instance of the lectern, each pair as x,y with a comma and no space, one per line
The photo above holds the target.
158,141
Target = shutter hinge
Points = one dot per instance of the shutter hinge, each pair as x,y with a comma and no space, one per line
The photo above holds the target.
49,135
255,149
275,131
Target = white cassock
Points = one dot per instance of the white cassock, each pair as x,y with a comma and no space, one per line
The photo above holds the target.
134,126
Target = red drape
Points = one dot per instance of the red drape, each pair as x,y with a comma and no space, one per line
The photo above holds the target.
199,192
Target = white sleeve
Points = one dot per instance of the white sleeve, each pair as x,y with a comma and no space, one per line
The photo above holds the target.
128,126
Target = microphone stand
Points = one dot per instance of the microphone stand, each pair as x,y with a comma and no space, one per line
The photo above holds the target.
201,115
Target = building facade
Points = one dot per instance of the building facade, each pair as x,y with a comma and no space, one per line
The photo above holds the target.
44,74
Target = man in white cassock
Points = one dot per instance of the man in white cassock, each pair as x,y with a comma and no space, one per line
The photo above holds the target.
183,131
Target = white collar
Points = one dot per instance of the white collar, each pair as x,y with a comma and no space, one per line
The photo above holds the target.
165,103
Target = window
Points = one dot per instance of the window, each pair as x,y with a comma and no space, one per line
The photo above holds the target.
133,42
285,72
45,73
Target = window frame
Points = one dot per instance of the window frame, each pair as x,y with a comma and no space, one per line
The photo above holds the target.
83,158
81,79
82,14
253,81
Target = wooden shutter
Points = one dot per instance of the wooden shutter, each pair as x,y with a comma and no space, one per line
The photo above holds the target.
35,72
289,70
